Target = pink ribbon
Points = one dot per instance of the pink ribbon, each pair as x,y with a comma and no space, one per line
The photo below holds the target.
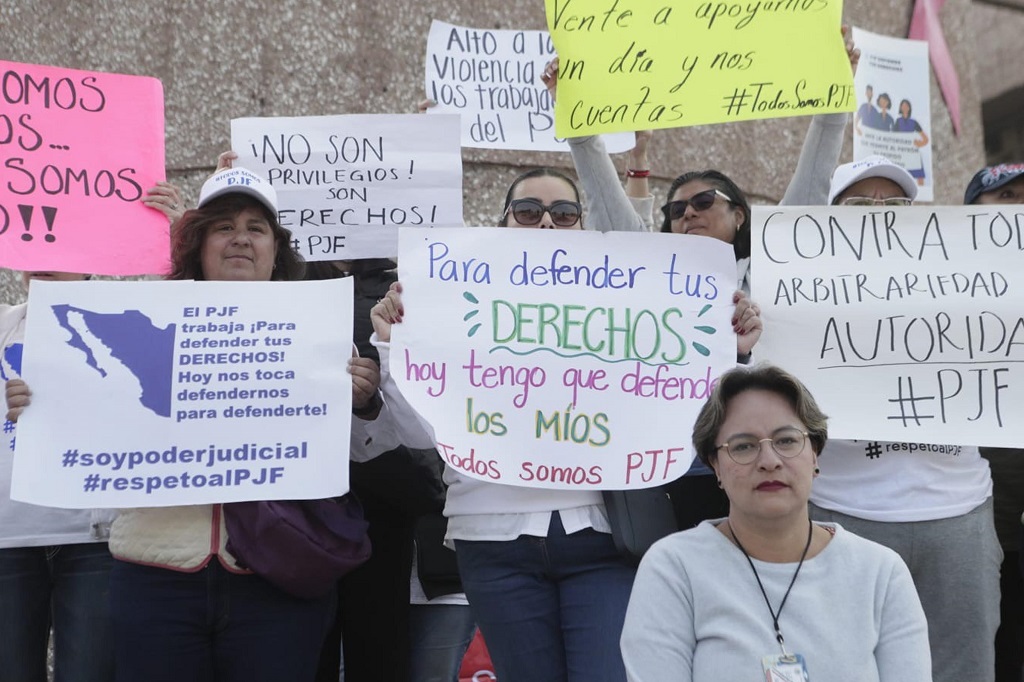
926,25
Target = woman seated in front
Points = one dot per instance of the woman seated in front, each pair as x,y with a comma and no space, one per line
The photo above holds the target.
765,593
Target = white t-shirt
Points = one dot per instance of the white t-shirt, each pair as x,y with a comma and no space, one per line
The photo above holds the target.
900,482
28,525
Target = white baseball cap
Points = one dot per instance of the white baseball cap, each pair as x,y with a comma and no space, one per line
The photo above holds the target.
241,181
874,166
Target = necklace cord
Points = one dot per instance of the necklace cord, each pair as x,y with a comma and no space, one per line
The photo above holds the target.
775,614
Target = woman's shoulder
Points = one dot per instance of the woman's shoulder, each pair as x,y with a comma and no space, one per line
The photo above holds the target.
695,543
851,548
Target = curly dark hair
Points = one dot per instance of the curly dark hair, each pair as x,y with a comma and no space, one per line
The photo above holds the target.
535,173
720,181
189,233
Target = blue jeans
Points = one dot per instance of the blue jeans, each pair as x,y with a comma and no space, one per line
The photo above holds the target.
212,625
550,609
439,635
65,586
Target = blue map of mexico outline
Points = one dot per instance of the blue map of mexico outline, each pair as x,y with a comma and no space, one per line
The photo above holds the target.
228,391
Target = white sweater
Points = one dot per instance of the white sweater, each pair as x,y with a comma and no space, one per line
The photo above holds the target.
696,613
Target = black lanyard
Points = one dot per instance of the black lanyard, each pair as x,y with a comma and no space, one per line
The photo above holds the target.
775,615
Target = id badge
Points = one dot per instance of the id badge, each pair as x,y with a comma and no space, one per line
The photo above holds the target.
785,668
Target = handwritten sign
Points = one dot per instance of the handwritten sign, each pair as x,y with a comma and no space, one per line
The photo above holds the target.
640,64
344,183
148,394
492,78
906,324
563,359
894,113
79,150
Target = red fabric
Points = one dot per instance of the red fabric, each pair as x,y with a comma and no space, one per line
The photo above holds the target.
476,664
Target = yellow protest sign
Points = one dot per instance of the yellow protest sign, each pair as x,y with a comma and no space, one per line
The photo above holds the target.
640,64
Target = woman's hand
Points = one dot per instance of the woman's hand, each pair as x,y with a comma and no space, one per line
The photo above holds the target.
424,104
550,77
18,398
225,161
365,382
746,322
852,53
166,198
388,311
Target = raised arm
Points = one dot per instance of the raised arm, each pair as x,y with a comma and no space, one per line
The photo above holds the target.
608,208
819,155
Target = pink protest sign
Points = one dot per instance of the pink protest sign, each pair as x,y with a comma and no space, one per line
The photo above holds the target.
78,150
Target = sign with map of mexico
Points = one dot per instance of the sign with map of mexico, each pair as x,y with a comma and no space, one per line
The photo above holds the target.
149,394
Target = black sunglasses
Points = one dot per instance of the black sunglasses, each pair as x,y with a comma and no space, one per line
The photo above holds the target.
530,212
701,201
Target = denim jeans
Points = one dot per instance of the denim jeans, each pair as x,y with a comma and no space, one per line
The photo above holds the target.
439,635
212,626
551,609
65,586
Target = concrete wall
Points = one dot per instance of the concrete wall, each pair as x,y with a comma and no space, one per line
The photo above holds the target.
221,60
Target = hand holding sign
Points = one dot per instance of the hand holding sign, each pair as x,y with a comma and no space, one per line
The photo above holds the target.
18,398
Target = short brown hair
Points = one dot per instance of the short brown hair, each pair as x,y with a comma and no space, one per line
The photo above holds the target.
189,233
764,377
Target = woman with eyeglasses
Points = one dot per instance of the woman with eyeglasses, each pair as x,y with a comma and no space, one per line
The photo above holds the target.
545,582
765,593
543,198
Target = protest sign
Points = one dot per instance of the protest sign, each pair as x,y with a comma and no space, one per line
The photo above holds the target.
492,79
562,358
344,183
149,394
639,64
906,324
79,150
893,105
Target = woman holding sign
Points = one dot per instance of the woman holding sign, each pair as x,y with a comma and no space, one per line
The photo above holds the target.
709,203
545,582
765,593
182,607
931,503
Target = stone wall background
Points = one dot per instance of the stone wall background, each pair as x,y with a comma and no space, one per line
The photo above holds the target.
235,58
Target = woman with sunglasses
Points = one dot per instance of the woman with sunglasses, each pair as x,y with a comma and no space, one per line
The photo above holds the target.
710,204
545,582
764,593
